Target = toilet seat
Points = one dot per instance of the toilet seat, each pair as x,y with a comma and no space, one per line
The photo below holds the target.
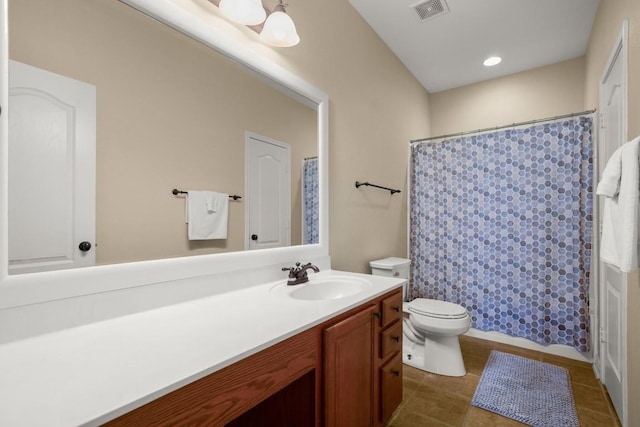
437,309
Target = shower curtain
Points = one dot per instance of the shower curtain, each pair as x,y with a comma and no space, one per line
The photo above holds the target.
500,223
310,200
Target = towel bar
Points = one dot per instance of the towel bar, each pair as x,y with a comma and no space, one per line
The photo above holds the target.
392,190
175,192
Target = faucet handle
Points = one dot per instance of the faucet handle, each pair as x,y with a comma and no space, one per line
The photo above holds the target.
293,271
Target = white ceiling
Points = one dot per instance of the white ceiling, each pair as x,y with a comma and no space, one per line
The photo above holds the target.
447,51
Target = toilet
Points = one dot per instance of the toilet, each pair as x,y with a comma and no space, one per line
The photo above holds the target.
430,327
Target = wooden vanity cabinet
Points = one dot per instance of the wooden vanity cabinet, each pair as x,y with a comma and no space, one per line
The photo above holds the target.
344,372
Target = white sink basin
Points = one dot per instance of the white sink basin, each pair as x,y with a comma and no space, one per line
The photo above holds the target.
322,289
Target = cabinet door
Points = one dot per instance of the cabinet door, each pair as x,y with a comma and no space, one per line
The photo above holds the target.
348,371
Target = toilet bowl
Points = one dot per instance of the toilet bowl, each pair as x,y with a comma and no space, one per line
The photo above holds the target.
431,329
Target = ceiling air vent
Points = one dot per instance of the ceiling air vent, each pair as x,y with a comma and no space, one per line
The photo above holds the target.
428,9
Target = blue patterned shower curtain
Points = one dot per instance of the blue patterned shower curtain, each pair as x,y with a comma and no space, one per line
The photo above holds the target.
501,223
310,200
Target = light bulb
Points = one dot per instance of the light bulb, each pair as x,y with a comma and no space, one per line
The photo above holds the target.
490,62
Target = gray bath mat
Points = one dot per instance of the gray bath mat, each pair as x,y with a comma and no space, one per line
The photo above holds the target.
535,393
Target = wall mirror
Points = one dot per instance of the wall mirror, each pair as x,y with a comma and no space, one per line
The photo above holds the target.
176,100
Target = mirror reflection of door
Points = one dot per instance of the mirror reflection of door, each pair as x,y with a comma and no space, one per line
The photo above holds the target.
268,193
52,134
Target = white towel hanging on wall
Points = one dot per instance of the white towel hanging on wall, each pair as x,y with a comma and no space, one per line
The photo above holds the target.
207,215
620,185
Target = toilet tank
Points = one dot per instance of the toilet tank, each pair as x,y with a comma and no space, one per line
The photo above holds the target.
392,267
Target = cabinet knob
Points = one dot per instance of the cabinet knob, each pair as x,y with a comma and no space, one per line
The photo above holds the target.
396,338
84,246
395,372
396,309
378,314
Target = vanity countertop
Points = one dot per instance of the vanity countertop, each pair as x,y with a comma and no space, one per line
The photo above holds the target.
94,373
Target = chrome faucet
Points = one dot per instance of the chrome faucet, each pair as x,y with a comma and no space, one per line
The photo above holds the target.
298,274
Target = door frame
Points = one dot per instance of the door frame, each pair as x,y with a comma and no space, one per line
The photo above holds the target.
247,205
619,52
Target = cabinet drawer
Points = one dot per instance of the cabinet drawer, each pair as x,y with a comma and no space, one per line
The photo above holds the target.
391,339
391,308
390,387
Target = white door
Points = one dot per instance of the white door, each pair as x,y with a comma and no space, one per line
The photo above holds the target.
613,309
52,136
268,193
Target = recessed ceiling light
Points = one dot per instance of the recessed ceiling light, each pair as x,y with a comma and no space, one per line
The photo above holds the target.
491,61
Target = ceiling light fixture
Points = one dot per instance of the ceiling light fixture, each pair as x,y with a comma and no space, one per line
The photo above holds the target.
245,12
276,28
279,29
491,61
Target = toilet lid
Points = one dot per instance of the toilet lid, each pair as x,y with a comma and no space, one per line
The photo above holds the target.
436,308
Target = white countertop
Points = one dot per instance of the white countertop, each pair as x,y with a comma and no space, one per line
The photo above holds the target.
94,373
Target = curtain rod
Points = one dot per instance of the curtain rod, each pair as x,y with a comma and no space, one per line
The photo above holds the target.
311,158
529,122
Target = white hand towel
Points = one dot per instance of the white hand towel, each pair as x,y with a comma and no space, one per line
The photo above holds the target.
609,185
619,243
207,214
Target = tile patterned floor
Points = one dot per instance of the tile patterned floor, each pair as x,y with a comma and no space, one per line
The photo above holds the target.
431,400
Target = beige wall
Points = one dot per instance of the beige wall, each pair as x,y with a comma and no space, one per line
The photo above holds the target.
543,92
171,113
376,107
607,25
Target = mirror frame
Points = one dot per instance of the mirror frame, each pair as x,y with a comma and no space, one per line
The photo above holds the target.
189,18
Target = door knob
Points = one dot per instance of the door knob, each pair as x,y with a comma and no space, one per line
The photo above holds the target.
84,246
254,237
